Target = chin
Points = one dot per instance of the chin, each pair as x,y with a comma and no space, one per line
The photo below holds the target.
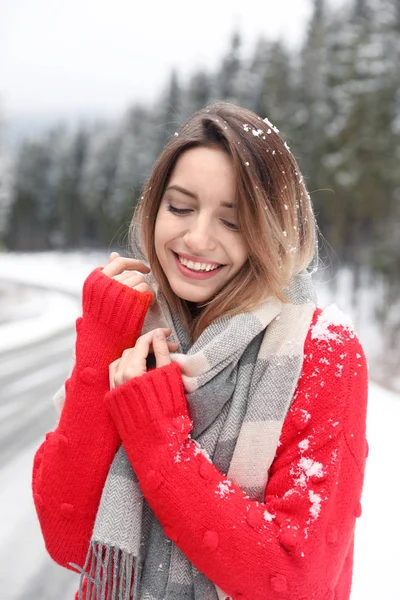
193,297
196,296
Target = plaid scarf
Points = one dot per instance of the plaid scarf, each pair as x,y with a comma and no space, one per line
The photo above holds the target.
239,378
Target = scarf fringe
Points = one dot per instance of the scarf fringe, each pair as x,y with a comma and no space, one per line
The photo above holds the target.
107,573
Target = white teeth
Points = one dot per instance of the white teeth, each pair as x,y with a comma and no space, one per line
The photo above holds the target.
196,266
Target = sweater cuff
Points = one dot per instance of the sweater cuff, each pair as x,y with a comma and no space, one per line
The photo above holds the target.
113,304
151,409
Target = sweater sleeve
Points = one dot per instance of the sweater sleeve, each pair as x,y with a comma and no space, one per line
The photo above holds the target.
295,543
71,465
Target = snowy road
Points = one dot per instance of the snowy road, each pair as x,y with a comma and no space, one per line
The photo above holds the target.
35,359
29,376
39,302
28,379
27,572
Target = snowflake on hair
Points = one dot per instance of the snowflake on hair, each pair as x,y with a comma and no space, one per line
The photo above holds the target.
268,122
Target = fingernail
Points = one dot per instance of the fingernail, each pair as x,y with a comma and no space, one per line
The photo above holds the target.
160,335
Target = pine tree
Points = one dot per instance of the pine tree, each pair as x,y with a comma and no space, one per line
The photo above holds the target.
229,70
139,142
311,110
99,183
5,185
69,193
361,9
198,92
33,213
358,140
169,110
276,92
252,89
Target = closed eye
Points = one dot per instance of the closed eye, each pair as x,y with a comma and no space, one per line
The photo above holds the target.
185,211
178,211
231,226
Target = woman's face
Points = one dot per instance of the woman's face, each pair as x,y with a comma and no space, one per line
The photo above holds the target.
196,235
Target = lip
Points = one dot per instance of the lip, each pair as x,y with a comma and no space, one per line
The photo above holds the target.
197,259
195,274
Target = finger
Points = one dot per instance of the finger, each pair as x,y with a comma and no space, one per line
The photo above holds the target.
173,346
112,256
144,344
112,369
133,361
146,340
129,278
126,274
144,287
122,263
161,349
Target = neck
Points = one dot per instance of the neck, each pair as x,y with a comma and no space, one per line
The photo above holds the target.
194,309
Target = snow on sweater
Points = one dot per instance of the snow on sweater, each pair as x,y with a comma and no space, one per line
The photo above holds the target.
298,544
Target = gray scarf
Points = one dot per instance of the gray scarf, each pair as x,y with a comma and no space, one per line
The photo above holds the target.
239,378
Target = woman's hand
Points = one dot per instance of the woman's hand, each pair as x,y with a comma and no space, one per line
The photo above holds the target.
124,270
133,360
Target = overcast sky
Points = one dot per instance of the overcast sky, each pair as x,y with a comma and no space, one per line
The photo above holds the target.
97,56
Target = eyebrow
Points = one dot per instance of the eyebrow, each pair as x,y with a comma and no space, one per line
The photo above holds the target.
178,188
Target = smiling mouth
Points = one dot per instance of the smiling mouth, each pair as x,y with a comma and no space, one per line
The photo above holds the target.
198,267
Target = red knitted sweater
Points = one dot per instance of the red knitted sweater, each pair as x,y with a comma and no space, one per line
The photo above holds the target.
297,545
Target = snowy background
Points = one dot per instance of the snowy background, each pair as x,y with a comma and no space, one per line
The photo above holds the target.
86,106
39,302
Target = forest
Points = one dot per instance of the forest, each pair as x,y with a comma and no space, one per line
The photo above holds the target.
336,102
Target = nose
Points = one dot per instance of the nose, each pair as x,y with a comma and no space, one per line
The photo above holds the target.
199,237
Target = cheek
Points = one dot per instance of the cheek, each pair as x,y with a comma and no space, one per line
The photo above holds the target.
240,253
158,237
166,222
164,232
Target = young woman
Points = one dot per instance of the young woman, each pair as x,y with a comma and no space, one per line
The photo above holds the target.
228,460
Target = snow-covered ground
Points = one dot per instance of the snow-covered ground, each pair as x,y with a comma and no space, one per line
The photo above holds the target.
54,301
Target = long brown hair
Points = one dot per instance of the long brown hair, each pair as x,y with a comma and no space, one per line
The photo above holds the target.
275,215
